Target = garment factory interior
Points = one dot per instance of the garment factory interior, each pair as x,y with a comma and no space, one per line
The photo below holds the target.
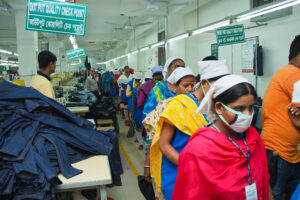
150,99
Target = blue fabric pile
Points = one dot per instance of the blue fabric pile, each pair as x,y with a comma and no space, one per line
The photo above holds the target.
84,97
39,138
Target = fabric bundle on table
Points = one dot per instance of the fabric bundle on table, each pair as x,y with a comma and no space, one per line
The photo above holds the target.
39,138
84,97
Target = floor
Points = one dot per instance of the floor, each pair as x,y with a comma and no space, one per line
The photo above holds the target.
129,189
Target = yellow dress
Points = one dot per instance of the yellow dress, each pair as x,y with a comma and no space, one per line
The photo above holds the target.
181,112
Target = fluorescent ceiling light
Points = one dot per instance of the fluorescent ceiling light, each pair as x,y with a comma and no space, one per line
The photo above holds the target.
144,49
128,54
75,46
72,39
158,44
73,64
134,52
6,52
211,27
15,54
4,64
15,65
179,37
3,61
268,9
101,63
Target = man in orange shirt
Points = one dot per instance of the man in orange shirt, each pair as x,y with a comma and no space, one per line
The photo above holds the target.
279,133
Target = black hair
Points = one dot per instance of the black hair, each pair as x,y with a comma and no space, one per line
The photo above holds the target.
126,66
216,78
235,92
147,79
45,57
198,78
295,48
178,82
175,61
210,58
157,73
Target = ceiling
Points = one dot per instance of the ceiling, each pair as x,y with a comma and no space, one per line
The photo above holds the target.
106,22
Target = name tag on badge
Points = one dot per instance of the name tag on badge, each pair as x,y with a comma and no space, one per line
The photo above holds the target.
251,192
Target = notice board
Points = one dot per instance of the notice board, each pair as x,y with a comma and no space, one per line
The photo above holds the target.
249,54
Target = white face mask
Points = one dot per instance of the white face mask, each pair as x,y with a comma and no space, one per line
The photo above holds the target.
241,124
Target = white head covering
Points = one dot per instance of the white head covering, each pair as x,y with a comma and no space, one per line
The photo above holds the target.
296,92
157,69
168,62
179,73
148,74
220,86
212,68
138,75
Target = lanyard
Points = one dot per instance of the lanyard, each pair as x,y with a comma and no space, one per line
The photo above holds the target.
239,148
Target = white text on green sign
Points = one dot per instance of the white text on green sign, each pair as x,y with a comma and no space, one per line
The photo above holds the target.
230,35
56,17
75,54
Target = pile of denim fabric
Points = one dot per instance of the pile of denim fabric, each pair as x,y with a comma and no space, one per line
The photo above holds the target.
83,97
39,138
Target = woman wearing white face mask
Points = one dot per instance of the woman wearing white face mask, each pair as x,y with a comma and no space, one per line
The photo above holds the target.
226,160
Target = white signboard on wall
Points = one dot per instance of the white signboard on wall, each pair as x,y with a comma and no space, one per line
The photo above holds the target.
248,50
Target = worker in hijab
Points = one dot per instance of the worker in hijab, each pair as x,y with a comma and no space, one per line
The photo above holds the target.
135,82
175,128
122,81
217,163
183,80
163,90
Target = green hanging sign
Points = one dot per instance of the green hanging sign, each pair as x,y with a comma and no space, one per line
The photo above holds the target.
230,35
4,68
56,17
75,54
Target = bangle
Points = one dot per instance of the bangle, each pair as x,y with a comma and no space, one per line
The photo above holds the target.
146,166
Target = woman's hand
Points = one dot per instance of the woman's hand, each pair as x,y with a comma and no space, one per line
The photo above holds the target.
294,113
294,110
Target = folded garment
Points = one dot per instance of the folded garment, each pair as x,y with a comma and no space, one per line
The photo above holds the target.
40,138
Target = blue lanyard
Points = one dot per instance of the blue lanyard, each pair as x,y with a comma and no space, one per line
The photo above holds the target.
239,148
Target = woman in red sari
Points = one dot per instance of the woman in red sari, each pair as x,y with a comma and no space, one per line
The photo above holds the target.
226,160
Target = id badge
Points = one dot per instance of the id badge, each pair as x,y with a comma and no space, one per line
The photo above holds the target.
251,192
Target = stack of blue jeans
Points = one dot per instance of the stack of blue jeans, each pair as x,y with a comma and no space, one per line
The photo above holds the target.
40,138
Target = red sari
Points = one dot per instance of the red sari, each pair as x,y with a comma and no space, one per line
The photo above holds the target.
211,167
